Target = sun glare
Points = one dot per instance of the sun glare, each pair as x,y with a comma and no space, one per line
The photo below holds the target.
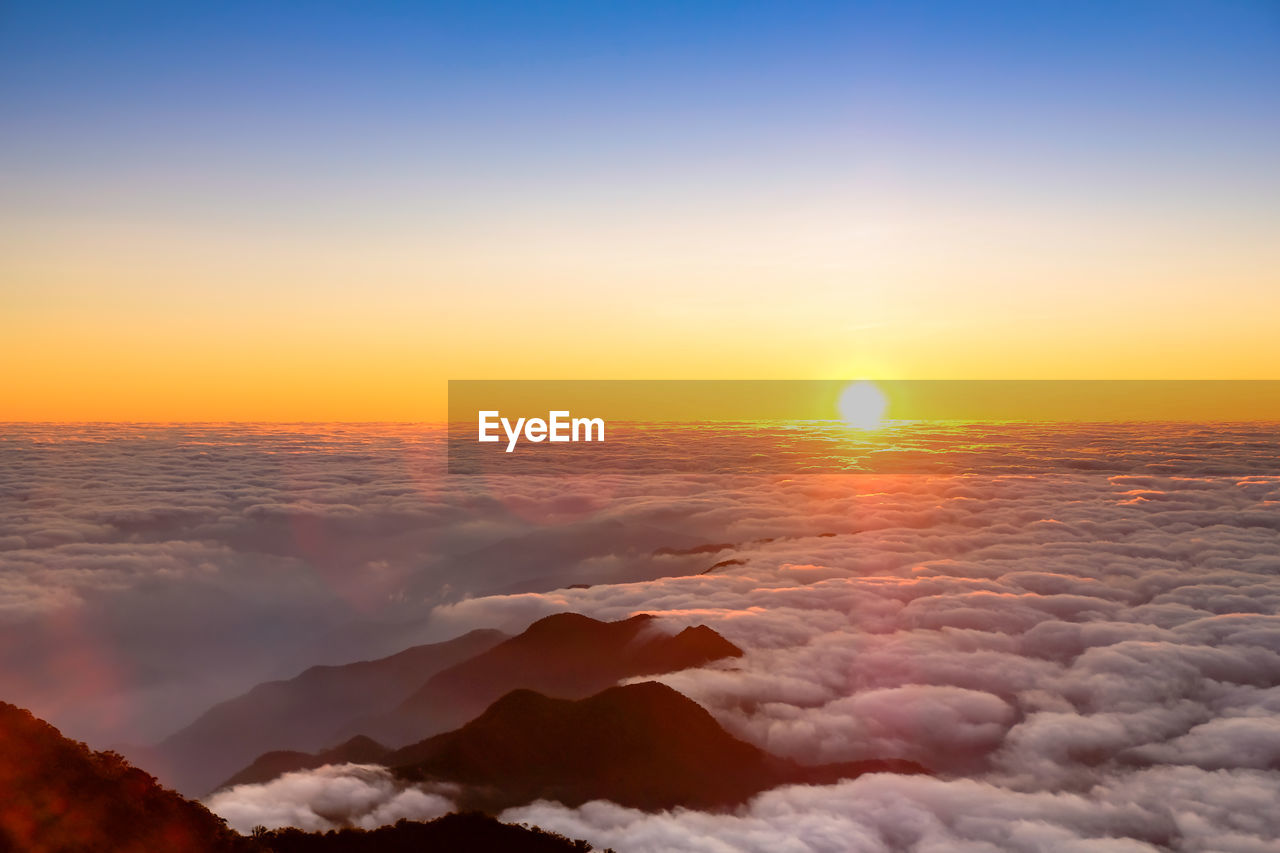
862,405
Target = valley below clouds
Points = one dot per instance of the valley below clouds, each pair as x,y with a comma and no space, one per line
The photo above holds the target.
1085,658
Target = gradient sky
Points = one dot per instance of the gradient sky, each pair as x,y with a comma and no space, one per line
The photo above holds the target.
325,210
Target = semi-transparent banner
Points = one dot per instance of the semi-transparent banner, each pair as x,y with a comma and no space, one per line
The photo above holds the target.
1168,428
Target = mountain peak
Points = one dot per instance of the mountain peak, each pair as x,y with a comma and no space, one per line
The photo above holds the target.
359,742
642,745
570,623
568,655
357,750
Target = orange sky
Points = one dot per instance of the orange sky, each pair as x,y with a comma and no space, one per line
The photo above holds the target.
88,341
163,322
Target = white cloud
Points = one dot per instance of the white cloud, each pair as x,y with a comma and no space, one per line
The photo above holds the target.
329,797
1184,809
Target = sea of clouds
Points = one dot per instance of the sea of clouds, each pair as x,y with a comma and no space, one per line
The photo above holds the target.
1088,660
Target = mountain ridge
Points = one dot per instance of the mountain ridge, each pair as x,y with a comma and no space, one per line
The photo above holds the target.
269,765
302,713
56,794
566,654
642,745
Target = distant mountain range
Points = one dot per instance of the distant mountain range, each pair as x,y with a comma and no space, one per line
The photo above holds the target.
642,745
505,720
303,713
567,655
421,692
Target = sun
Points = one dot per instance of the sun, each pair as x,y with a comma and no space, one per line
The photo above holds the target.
862,405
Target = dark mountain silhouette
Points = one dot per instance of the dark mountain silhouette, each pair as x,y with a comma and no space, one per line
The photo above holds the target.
641,745
455,832
567,655
58,795
269,765
305,713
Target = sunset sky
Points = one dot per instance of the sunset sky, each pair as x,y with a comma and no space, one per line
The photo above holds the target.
324,211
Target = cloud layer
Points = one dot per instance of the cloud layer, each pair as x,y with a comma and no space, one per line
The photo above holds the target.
1171,808
1086,659
329,797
